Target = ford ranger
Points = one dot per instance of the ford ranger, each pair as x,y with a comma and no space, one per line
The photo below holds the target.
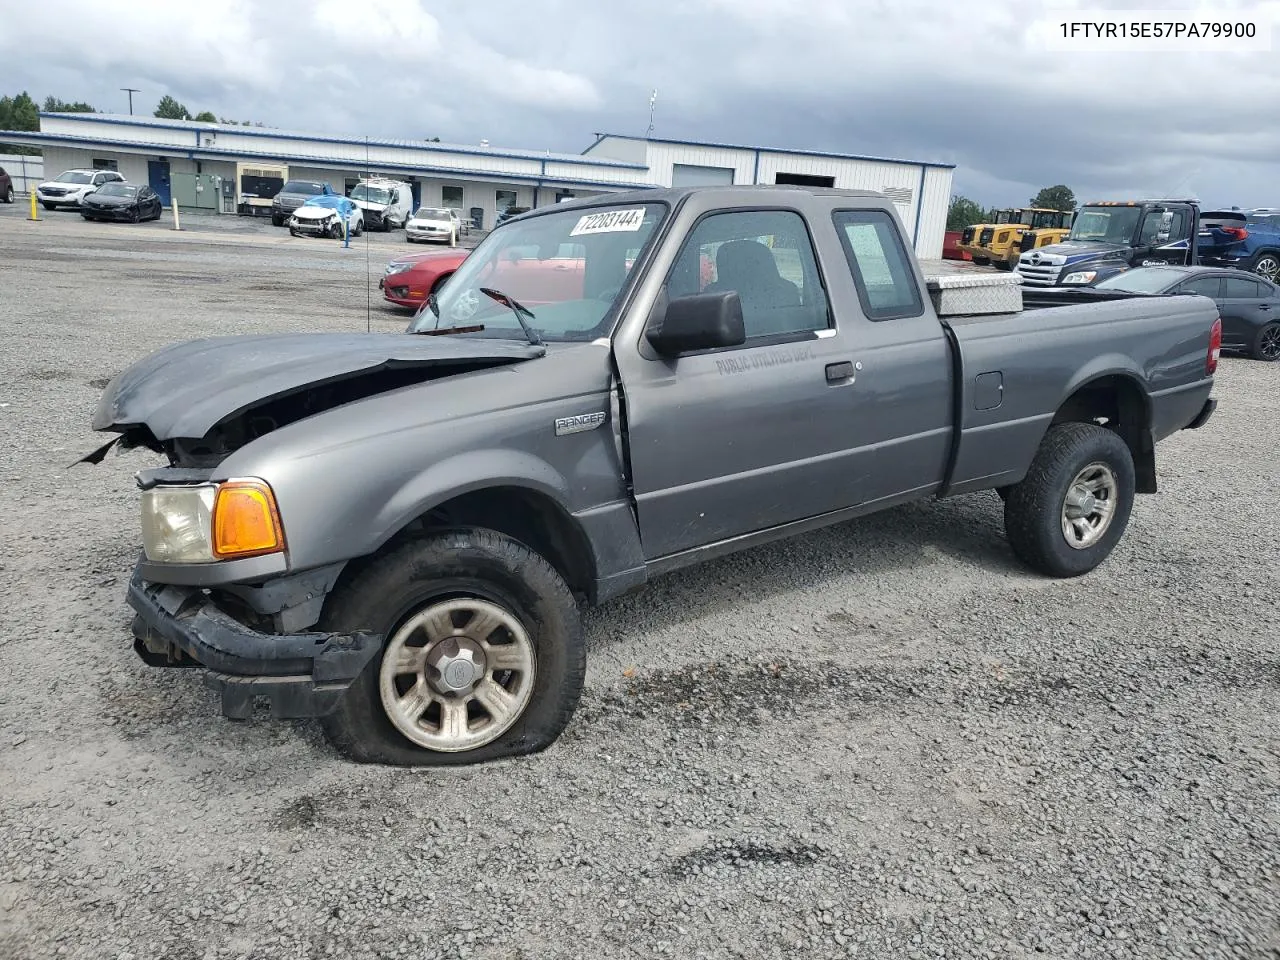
395,532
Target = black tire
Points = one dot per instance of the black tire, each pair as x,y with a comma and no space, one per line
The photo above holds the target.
1033,510
1266,343
8,195
277,221
293,232
467,562
1266,264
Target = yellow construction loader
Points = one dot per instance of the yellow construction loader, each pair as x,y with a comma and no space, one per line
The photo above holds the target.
1039,228
1000,242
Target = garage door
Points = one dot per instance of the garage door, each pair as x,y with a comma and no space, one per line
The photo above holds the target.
686,175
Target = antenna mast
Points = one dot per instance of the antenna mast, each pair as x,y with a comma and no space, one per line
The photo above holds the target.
653,99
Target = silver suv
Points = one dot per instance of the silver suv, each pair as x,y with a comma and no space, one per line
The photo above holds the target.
293,195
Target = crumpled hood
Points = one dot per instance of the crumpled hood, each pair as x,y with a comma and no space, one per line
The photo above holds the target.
185,389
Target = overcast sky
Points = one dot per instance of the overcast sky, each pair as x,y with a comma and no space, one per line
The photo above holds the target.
960,81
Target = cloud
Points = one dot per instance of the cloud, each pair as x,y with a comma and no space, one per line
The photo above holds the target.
964,83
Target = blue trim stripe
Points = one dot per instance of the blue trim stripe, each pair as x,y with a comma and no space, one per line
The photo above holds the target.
779,150
312,138
213,153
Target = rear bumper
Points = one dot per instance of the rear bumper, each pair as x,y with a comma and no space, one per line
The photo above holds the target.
1210,405
299,675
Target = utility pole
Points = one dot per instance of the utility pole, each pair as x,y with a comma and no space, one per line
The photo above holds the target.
131,91
653,99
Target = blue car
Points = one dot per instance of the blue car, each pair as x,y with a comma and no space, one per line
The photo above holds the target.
1247,239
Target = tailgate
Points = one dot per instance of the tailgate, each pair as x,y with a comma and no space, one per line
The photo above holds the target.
1221,232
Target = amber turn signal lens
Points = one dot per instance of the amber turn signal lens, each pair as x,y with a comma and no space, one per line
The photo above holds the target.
246,522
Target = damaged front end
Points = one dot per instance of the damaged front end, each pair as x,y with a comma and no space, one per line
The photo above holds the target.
215,585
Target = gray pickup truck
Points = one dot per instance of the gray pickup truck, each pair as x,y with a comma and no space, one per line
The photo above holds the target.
395,532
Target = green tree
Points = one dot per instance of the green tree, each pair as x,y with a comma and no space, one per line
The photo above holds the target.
205,116
170,109
54,105
1057,197
19,113
962,213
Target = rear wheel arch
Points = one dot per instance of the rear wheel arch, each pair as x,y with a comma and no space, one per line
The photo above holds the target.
1118,402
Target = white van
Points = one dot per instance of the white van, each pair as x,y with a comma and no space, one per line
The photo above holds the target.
386,203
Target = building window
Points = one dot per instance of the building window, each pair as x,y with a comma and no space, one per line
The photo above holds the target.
803,180
506,200
451,196
101,164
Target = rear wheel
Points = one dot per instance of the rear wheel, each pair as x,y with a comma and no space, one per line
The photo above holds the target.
1066,516
8,194
1266,343
484,654
1266,265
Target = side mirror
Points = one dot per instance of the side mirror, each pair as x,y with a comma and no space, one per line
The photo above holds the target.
703,321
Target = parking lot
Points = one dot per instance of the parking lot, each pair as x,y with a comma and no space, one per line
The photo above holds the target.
880,740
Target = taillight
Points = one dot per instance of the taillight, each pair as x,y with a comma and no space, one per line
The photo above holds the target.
1215,347
1240,233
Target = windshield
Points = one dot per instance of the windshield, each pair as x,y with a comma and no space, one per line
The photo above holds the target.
117,190
431,213
1045,220
1141,280
303,186
568,268
1108,224
370,194
73,176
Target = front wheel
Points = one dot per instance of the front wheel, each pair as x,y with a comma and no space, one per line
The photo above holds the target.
483,658
1266,343
8,195
1068,513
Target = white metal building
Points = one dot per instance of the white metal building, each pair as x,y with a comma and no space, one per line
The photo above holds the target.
196,163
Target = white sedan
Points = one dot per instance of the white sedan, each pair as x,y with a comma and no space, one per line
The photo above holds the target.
433,224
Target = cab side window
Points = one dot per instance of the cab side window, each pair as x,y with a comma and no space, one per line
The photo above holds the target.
1206,287
767,258
1240,288
881,267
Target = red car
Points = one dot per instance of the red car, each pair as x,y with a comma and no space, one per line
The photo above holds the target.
410,279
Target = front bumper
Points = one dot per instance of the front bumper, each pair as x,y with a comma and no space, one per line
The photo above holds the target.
71,199
299,675
316,228
105,213
418,233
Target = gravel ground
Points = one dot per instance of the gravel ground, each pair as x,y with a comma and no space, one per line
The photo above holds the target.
880,740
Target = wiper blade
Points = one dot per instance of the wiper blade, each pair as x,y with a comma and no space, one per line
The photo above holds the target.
518,309
438,332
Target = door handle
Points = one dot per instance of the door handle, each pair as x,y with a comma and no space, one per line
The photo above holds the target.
839,371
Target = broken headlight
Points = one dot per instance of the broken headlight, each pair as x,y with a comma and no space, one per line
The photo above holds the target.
210,521
177,524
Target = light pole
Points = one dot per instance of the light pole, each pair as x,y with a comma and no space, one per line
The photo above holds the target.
131,91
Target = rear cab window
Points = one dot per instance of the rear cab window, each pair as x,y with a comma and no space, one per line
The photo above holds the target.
880,264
